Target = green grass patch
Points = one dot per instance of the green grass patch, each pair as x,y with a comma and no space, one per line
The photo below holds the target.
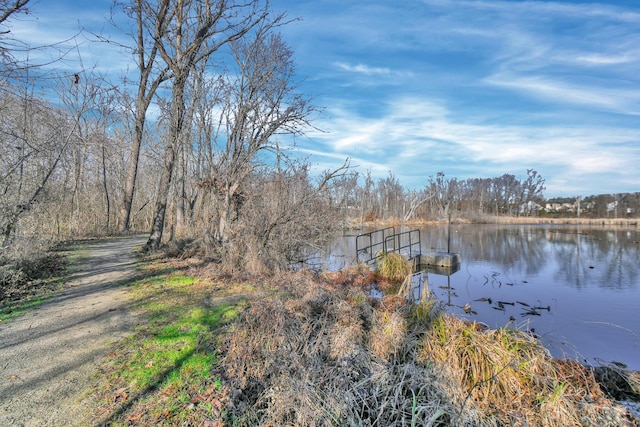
164,374
16,308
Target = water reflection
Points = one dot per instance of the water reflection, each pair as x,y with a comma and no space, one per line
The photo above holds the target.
601,258
583,256
576,287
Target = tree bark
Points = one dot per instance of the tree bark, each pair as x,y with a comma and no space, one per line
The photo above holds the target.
147,65
132,169
164,187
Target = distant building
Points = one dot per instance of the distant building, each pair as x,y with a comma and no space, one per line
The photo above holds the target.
529,208
560,207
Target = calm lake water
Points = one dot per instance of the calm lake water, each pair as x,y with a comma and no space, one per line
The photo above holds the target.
575,287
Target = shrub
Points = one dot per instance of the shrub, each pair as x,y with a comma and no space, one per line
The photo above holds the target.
26,276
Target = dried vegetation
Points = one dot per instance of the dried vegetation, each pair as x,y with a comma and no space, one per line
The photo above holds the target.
505,377
27,273
318,350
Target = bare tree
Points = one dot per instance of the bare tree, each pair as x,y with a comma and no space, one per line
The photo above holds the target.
152,73
390,197
415,200
261,102
8,9
441,193
342,193
35,138
11,7
191,32
286,212
530,188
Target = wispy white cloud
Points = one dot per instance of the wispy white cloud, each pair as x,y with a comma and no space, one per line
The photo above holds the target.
612,99
363,69
596,59
416,138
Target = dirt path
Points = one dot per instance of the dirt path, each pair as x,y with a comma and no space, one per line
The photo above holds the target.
47,355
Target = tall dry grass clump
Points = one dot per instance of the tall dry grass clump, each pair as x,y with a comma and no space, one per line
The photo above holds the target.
393,272
393,266
505,377
320,351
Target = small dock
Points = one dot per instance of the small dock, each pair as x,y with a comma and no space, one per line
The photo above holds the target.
408,244
440,259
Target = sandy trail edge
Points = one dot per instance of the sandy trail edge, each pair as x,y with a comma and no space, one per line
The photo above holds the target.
47,355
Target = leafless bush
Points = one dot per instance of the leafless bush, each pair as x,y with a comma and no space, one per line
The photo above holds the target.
24,270
278,215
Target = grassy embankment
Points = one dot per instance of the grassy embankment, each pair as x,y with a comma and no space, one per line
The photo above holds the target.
308,349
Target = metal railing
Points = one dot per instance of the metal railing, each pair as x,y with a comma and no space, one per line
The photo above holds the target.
406,243
368,245
371,244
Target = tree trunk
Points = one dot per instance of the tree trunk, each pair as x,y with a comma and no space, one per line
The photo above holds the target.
106,187
164,187
132,173
163,195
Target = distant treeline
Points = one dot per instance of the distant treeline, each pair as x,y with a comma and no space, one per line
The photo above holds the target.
362,198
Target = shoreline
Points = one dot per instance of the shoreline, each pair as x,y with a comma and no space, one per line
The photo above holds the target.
503,220
619,381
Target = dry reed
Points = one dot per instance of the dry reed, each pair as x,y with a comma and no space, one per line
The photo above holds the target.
505,377
319,351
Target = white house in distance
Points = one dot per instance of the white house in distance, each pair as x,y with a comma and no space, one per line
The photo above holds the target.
529,208
560,207
568,207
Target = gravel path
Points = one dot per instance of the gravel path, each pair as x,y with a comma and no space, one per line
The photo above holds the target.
47,355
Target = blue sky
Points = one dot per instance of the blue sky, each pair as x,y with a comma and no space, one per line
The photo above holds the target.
474,89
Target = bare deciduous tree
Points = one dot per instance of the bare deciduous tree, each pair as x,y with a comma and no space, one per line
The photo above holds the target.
260,103
191,32
152,73
8,8
11,7
530,189
285,213
35,137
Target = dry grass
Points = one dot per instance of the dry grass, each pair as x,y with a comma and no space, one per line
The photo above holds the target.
505,377
393,266
617,222
319,351
323,353
393,273
493,219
